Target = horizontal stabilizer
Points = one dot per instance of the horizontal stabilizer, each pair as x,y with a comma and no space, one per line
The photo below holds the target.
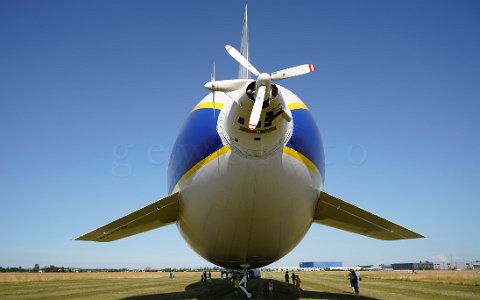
337,213
157,214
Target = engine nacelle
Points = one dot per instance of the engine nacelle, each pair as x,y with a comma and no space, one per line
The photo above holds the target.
272,131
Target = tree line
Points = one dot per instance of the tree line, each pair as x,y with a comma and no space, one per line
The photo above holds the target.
55,269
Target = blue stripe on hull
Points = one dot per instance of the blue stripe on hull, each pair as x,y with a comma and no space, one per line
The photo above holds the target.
198,139
306,138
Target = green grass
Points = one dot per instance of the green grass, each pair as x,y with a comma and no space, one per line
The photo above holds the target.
315,285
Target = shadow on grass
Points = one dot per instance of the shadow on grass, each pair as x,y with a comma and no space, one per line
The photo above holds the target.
221,289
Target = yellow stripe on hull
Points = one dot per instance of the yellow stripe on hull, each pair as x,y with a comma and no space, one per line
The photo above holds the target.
302,158
218,105
297,105
200,164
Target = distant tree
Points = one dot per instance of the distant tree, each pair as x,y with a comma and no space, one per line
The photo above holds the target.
36,268
51,268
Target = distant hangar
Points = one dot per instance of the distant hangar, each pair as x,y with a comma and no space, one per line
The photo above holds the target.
320,264
413,266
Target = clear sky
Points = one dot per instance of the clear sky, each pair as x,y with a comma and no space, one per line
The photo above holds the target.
93,94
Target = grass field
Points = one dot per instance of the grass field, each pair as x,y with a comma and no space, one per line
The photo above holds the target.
315,285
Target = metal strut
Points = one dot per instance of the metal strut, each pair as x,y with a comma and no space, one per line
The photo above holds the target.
243,284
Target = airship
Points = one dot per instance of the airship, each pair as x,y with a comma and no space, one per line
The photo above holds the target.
246,176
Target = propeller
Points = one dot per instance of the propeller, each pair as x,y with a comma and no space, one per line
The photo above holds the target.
262,86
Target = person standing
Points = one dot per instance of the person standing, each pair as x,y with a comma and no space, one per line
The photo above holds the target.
352,276
297,284
270,288
293,278
237,284
287,277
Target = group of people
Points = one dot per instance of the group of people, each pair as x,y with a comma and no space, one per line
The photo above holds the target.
295,279
206,277
353,277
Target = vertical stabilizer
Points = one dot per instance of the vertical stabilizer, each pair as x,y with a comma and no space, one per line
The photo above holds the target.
242,71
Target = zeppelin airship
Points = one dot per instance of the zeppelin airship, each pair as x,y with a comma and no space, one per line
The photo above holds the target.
246,176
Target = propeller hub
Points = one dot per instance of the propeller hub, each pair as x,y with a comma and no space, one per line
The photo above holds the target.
264,79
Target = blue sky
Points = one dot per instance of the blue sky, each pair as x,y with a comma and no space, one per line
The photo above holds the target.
93,94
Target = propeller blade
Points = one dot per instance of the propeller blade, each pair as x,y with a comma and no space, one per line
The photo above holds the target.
241,60
292,72
226,85
257,108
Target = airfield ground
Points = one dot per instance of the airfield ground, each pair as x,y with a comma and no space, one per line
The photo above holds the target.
315,285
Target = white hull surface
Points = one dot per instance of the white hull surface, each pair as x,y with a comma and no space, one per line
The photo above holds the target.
236,211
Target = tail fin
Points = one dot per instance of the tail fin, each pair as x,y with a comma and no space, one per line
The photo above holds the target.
157,214
242,71
337,213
